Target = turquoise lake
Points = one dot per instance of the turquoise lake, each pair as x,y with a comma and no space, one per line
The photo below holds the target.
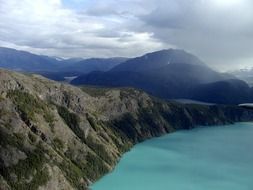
212,158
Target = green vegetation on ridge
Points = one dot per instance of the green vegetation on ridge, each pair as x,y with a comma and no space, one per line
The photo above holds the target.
89,134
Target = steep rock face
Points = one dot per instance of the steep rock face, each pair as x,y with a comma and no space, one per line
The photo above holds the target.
55,136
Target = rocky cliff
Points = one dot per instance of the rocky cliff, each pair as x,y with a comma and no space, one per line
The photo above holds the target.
56,136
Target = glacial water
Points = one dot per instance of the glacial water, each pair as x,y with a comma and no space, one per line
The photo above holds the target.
213,158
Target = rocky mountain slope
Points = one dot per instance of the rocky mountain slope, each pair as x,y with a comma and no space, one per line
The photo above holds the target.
56,136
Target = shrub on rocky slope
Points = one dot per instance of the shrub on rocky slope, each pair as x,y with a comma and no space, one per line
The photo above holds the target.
55,136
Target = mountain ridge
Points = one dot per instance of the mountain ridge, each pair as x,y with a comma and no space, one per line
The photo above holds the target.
57,136
160,58
171,74
24,61
168,74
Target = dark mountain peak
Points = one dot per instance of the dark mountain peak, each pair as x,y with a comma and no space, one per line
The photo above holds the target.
158,59
172,56
167,52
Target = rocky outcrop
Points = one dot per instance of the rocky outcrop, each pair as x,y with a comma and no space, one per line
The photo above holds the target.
56,136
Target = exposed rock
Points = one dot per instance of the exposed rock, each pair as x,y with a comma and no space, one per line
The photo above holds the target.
57,180
11,155
56,136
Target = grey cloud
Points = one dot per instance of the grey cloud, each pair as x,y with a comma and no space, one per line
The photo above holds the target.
48,27
103,11
218,31
220,35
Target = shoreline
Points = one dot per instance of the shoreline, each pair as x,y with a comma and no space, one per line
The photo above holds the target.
197,128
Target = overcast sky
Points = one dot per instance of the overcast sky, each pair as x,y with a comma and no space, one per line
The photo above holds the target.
220,32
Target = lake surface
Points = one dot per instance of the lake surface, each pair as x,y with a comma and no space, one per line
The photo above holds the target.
213,158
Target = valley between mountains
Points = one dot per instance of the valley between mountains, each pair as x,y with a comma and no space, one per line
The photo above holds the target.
57,136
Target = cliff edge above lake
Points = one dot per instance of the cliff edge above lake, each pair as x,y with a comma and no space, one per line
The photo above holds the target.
56,136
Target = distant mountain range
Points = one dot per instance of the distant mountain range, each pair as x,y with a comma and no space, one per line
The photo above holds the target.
167,74
173,74
53,67
25,61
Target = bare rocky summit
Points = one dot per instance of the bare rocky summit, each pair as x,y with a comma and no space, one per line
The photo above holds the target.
56,136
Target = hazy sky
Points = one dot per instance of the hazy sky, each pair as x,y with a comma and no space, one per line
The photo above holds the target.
220,32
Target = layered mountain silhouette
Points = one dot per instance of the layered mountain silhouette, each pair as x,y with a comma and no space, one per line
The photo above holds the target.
71,67
173,74
25,61
52,67
167,74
